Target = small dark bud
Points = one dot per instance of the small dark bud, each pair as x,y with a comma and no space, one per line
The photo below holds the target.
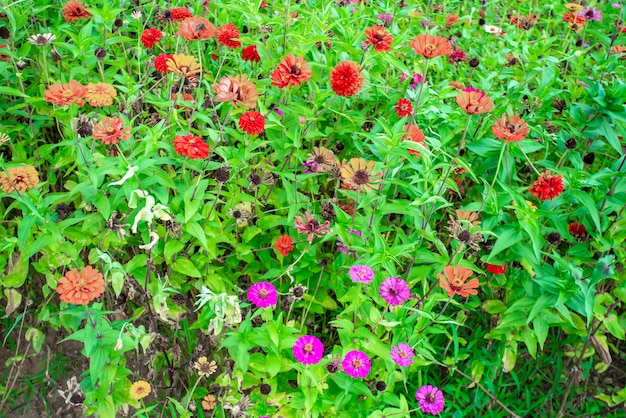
84,129
77,398
118,22
381,386
465,237
222,174
100,53
5,33
179,299
338,148
332,367
589,158
579,42
474,62
298,291
554,238
570,143
257,321
55,56
21,65
481,21
367,126
266,389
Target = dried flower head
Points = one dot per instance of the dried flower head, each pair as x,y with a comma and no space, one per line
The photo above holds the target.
311,226
321,160
19,179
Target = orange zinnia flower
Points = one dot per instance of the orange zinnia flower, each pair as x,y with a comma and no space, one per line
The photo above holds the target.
357,174
100,94
19,178
414,134
81,288
185,65
237,90
74,10
474,101
512,130
378,36
454,281
111,130
194,28
292,71
430,46
65,94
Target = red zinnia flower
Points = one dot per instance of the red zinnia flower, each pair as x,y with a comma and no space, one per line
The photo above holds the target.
577,230
191,146
151,37
74,10
284,244
160,63
346,78
547,186
292,71
226,35
492,268
250,53
404,108
378,36
252,122
180,13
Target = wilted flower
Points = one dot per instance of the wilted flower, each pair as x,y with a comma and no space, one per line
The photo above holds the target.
320,160
204,367
311,226
42,39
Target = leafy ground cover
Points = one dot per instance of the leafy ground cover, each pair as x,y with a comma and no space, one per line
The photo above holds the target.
304,208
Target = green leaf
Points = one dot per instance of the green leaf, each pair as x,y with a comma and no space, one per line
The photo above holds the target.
506,239
10,91
540,327
184,266
196,231
590,205
16,274
611,322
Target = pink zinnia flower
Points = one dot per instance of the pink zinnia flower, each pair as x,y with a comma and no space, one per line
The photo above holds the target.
395,291
361,274
356,364
430,399
402,354
308,349
263,294
311,226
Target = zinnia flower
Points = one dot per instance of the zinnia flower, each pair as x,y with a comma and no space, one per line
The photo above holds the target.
160,63
454,281
430,46
227,34
591,14
41,39
416,135
74,10
402,354
320,160
308,349
179,13
262,294
292,71
356,364
191,146
574,7
81,288
66,94
577,230
378,36
252,122
19,178
394,291
311,226
151,37
361,274
237,90
474,101
140,390
547,186
430,399
457,56
346,78
111,130
100,94
284,244
492,268
510,128
250,53
404,108
195,28
209,402
357,174
185,65
205,367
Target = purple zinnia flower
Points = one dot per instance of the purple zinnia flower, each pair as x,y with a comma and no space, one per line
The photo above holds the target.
308,349
361,274
385,19
403,77
395,291
430,399
356,364
591,14
417,79
263,294
279,112
616,5
402,354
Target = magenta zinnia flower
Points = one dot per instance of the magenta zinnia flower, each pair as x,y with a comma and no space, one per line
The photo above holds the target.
263,294
402,354
308,349
361,274
356,364
394,290
430,399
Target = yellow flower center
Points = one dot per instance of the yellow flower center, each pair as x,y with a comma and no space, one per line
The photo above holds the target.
308,348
